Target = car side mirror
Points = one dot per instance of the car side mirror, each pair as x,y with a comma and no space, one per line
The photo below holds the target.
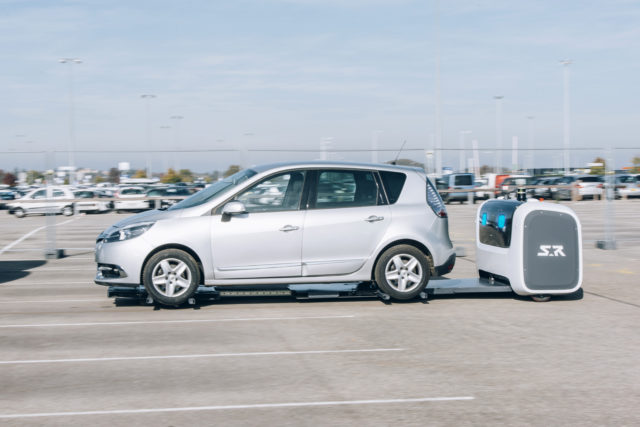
234,208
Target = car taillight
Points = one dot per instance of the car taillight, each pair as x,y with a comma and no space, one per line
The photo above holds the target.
600,185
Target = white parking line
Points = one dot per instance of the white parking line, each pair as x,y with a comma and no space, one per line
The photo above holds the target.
251,406
37,269
157,322
50,301
54,284
197,356
31,233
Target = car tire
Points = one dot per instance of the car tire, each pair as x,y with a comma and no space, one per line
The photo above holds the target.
67,211
171,277
19,213
402,272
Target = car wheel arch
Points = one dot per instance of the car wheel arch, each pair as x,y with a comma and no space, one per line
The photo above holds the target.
178,246
418,245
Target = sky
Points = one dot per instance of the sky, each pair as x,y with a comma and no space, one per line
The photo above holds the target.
297,74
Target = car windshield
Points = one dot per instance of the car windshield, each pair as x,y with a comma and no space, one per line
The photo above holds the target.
214,190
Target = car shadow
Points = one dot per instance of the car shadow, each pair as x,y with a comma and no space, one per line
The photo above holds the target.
290,299
15,270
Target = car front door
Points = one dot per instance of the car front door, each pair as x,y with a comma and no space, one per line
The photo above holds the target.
346,219
265,241
41,205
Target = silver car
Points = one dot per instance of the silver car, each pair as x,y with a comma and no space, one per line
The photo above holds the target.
318,222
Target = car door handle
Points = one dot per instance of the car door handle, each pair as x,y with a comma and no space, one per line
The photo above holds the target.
374,218
289,228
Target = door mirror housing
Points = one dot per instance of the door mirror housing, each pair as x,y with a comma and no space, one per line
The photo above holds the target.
234,208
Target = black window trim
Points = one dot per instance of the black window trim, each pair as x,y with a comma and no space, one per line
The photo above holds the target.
387,200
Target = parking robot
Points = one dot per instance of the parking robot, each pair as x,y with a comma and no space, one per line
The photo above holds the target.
534,247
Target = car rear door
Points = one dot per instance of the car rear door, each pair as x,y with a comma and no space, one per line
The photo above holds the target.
346,219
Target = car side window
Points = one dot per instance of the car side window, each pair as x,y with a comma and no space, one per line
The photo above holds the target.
281,192
58,193
40,194
346,189
462,180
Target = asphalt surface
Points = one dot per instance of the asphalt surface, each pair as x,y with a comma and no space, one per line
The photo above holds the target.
70,356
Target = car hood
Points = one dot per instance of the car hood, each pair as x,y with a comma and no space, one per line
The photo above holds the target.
148,216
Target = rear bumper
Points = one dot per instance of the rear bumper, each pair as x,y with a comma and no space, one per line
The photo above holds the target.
446,268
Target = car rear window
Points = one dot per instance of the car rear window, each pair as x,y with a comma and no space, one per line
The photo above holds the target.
463,180
393,183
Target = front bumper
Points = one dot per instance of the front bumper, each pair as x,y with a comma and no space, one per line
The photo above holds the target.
120,263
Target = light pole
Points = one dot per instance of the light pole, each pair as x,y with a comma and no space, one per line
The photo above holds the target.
461,156
374,145
71,143
244,153
176,140
498,99
324,144
438,100
147,98
566,112
531,156
165,161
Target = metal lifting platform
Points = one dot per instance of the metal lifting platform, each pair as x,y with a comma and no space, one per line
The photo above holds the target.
436,286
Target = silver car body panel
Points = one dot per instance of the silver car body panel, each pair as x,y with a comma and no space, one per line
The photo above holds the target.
257,245
299,246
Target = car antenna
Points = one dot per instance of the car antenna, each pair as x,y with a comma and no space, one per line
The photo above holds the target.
398,155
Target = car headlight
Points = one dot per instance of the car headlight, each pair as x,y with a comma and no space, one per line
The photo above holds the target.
128,232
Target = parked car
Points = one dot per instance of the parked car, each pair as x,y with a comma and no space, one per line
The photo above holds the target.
458,181
482,184
54,200
328,223
494,181
123,204
7,195
588,186
93,205
168,192
545,192
510,186
628,186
